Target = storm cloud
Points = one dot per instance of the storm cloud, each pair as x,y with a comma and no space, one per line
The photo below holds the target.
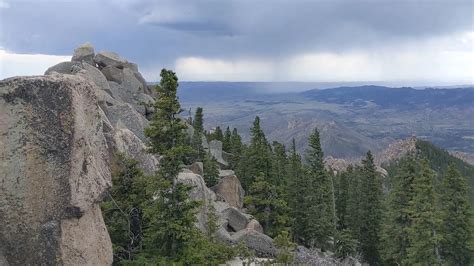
256,40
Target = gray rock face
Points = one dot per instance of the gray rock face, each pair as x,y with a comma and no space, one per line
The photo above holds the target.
197,168
84,53
124,115
53,172
254,225
224,173
260,243
105,58
83,69
199,192
113,74
236,219
215,148
129,144
230,190
62,68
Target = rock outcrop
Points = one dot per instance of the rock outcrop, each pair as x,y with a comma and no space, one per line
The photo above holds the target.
215,148
59,135
53,173
230,190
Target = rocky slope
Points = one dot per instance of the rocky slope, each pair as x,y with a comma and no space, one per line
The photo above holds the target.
61,133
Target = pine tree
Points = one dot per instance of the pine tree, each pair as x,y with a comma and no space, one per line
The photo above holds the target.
297,183
354,200
122,209
285,248
235,149
169,209
217,134
319,220
211,170
166,129
342,199
345,244
257,157
423,233
457,230
226,142
279,166
198,120
398,215
264,203
371,211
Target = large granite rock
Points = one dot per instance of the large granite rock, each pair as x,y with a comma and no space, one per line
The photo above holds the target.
84,53
129,144
124,115
256,241
53,172
215,148
199,192
230,190
236,220
106,58
80,68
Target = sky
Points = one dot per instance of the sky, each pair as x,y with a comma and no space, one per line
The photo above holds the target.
429,41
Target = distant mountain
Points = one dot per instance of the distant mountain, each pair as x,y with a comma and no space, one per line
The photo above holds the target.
395,97
352,120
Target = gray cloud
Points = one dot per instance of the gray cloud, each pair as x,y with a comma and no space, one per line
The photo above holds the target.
151,32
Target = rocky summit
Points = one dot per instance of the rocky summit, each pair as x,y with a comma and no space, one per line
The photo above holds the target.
61,134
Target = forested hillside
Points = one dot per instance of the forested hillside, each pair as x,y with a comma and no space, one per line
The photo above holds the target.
419,214
439,160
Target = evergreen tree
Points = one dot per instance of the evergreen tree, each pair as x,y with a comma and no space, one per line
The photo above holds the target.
198,120
457,230
279,166
423,233
285,248
122,209
263,203
398,215
371,211
217,134
226,142
211,170
235,149
345,245
297,183
354,200
166,129
342,199
319,220
257,157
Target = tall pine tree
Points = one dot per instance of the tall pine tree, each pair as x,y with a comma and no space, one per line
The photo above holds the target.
226,142
457,230
397,218
423,234
319,220
297,184
198,120
370,211
257,159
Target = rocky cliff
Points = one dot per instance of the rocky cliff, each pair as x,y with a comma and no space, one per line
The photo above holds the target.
59,134
54,170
